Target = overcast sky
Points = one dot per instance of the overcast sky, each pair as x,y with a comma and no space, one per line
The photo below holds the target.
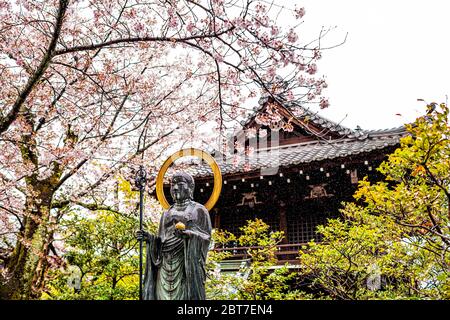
396,52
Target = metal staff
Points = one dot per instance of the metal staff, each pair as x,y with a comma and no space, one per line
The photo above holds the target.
141,178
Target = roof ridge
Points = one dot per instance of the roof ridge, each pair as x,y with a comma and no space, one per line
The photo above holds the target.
316,114
318,119
315,117
398,129
326,142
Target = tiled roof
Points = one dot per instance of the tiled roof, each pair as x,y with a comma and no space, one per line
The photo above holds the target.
301,112
351,142
303,153
304,113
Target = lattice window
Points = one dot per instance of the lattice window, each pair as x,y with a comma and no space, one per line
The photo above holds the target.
302,228
233,221
301,225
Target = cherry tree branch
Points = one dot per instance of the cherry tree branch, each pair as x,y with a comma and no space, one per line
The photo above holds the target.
138,39
7,120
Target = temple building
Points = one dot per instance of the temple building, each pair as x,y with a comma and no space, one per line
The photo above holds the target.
293,171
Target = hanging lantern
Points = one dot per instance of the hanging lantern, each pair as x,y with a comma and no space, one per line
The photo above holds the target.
354,176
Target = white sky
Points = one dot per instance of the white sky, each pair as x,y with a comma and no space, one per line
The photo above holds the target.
396,52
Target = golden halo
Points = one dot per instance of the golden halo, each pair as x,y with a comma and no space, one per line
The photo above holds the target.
190,152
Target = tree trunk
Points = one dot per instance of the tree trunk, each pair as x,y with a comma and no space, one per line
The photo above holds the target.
26,268
113,287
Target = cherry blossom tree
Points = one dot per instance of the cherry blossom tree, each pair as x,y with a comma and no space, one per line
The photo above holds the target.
89,89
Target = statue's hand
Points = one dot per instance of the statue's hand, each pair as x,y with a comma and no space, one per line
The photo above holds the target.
143,235
183,233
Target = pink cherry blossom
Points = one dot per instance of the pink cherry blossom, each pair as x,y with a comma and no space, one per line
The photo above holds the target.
312,68
299,12
324,103
292,36
90,92
190,27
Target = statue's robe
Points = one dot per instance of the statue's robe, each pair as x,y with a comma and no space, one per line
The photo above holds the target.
175,268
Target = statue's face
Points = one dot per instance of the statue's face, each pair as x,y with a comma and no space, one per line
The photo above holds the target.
179,189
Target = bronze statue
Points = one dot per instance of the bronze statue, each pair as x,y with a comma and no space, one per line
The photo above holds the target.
175,263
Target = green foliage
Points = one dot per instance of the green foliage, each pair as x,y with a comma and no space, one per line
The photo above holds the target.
218,238
398,233
100,247
103,250
261,279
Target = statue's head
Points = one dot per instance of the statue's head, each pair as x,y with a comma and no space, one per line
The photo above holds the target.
182,187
